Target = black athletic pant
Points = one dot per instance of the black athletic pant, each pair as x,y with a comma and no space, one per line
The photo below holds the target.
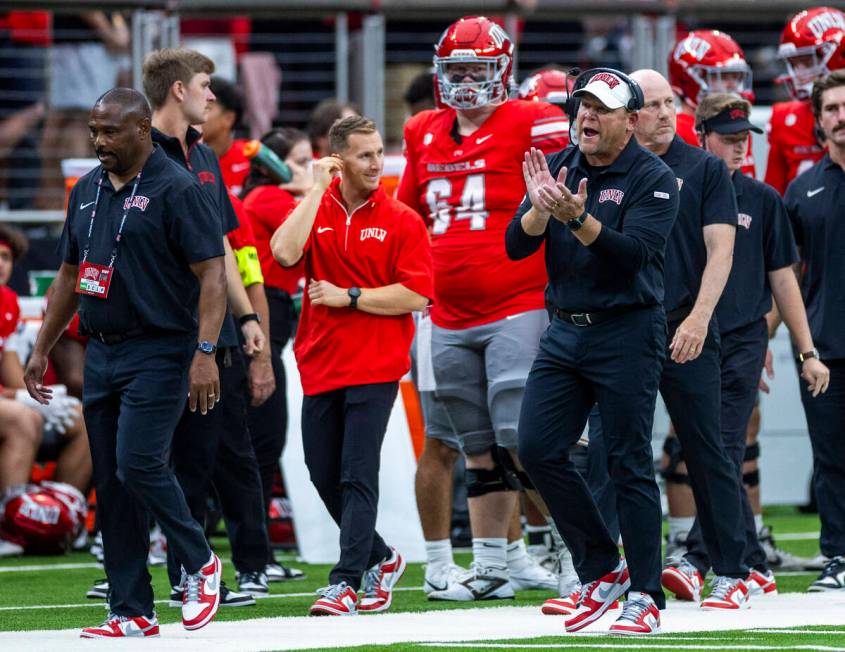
826,423
692,393
216,448
135,393
616,363
342,433
742,356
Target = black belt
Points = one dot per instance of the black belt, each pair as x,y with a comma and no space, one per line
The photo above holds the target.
116,338
584,319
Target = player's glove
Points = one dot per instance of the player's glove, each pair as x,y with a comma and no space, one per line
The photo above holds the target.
61,413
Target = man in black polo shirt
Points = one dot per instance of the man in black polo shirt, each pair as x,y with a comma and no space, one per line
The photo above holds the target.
604,210
216,448
131,264
816,202
698,261
764,253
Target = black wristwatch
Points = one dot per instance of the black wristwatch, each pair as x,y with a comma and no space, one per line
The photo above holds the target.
353,293
206,347
807,355
577,222
252,316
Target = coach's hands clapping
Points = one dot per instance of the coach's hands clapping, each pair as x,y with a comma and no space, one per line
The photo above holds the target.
548,195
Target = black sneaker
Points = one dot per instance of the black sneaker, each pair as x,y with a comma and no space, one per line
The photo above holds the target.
832,577
254,584
276,572
100,590
228,598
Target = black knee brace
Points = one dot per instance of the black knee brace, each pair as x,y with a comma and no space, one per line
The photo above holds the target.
502,477
670,473
752,452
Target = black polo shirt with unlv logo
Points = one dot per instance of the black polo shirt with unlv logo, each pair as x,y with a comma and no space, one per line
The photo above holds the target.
636,200
171,223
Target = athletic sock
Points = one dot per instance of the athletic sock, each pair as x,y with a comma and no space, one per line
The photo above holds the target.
439,552
490,552
758,522
517,555
680,525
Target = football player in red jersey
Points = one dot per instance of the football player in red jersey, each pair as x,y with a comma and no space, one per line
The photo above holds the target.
463,174
812,46
550,85
707,61
224,116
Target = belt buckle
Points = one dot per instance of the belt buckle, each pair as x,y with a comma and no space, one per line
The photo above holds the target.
582,319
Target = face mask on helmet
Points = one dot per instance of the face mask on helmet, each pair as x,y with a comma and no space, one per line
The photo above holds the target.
467,81
735,78
804,66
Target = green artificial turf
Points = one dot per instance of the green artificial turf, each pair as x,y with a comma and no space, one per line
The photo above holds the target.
60,593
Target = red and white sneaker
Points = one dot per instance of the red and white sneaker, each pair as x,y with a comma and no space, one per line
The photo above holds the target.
684,580
123,627
727,593
336,600
379,582
596,597
201,598
567,604
761,583
640,616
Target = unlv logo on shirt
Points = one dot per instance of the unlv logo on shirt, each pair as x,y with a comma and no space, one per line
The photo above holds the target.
611,194
742,219
206,177
138,201
378,234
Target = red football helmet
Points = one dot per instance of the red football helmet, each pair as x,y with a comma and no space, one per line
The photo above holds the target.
552,86
707,61
473,40
280,523
45,518
812,46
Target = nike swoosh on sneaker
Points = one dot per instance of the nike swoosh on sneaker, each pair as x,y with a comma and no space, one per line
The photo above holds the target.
434,587
212,583
603,593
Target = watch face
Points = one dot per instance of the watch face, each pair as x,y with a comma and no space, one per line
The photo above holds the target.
206,347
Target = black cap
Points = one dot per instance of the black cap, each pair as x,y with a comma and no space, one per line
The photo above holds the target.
730,121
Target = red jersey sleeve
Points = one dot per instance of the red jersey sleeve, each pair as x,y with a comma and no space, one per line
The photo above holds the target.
408,191
414,266
10,314
550,129
243,236
776,164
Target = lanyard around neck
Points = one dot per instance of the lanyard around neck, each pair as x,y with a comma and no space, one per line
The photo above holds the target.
127,206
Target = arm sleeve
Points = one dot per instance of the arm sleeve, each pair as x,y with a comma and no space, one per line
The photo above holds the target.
194,223
718,198
242,240
778,242
414,267
68,247
408,190
648,221
518,243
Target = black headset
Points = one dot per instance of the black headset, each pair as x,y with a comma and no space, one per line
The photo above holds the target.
583,78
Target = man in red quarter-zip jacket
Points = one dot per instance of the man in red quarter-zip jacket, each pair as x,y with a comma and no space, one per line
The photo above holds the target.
368,265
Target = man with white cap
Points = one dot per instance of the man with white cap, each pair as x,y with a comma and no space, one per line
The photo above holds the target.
604,210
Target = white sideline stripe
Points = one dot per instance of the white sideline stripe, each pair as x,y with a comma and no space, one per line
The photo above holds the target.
491,624
48,567
797,536
826,632
99,603
639,645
